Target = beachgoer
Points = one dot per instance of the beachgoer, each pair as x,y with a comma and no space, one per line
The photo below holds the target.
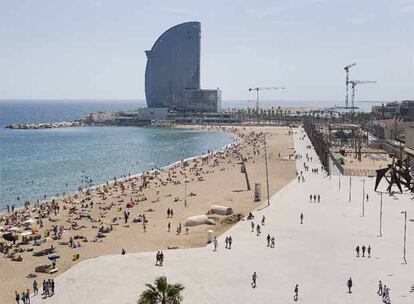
268,240
272,242
215,242
35,288
369,251
363,250
17,297
301,218
230,241
169,226
379,292
296,291
349,284
254,278
123,252
263,220
226,240
252,224
357,251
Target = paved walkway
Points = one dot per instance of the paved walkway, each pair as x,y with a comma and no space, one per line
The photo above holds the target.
318,255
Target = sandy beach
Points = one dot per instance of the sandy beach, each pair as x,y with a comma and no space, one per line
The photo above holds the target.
92,223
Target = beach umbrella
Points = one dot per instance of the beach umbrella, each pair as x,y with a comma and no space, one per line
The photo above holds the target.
53,256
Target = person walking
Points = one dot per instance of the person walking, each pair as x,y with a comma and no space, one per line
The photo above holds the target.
52,286
296,291
230,241
215,242
272,241
319,198
263,220
35,287
357,251
349,284
384,290
301,218
268,240
254,279
252,227
379,292
226,241
258,230
363,251
17,297
369,251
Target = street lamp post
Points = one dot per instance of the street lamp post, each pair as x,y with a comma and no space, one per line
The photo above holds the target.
363,197
267,173
380,221
405,233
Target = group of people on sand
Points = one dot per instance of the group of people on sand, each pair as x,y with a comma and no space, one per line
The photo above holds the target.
48,290
384,292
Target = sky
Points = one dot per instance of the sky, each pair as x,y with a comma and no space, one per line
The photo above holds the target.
81,49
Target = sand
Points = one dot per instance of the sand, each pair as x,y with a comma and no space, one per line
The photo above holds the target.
222,183
319,254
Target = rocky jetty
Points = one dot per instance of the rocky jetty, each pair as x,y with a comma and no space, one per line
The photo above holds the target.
50,125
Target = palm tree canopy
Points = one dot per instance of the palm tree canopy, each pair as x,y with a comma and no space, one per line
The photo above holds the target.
161,293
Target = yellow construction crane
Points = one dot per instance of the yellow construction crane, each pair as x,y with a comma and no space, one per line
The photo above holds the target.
257,89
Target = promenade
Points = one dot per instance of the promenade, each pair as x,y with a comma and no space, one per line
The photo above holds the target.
319,254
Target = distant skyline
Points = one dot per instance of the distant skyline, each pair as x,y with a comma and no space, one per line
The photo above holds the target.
83,49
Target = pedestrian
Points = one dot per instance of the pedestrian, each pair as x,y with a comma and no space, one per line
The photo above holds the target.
35,288
314,198
161,258
226,241
258,230
301,218
171,213
52,286
383,292
168,212
215,242
17,297
379,292
319,198
263,220
369,251
349,284
268,240
363,250
296,296
310,198
27,296
367,197
252,226
254,278
272,242
157,258
357,251
169,226
44,287
230,241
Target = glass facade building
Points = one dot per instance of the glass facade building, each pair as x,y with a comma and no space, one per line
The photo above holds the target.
173,65
172,75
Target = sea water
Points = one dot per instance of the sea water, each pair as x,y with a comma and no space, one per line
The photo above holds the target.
34,163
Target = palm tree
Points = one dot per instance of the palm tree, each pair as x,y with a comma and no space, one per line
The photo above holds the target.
161,293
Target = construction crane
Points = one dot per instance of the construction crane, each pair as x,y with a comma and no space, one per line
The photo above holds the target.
260,89
354,83
346,68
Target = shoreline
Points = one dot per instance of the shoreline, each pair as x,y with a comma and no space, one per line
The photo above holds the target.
235,138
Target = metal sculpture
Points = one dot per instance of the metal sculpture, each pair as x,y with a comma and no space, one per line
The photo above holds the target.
398,173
